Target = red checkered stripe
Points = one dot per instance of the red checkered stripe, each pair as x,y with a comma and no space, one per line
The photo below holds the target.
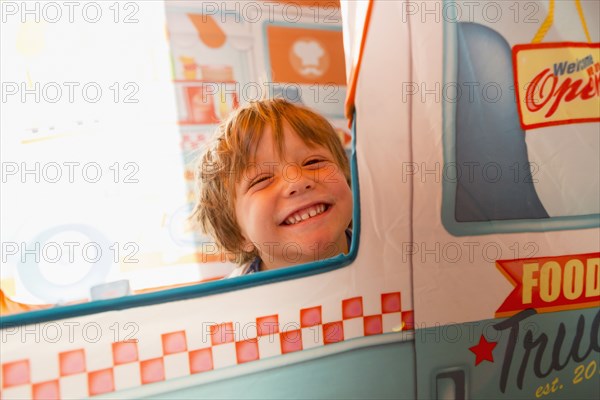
179,359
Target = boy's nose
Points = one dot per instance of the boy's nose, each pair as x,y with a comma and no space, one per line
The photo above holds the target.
298,184
296,189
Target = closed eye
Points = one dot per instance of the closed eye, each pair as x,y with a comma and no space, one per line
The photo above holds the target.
315,162
258,181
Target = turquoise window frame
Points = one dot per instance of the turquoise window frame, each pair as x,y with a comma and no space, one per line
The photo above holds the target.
449,188
208,288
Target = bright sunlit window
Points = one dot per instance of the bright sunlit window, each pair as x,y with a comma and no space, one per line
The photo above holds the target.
104,108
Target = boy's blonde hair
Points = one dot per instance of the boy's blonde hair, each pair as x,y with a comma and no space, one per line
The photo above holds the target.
231,152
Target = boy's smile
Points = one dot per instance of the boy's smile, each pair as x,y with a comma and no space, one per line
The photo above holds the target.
294,208
305,213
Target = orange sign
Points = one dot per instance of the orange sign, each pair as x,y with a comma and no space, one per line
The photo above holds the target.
299,55
551,283
557,83
209,31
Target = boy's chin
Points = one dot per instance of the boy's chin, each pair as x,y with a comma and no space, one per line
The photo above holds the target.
303,254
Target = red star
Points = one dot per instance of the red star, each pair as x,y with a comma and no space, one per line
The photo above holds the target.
483,351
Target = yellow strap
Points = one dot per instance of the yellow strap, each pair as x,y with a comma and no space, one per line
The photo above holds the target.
539,36
582,18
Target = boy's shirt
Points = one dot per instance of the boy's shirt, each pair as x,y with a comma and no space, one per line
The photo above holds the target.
254,266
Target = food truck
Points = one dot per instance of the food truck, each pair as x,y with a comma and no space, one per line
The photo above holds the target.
473,134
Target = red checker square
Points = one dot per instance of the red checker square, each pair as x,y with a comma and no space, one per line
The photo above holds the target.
45,390
291,341
201,360
15,373
267,325
174,342
246,350
310,316
333,332
124,352
152,370
408,320
72,362
390,302
373,325
222,333
352,308
101,381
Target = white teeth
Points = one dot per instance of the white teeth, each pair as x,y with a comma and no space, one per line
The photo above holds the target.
311,212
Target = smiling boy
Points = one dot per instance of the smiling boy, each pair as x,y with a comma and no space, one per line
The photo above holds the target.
275,187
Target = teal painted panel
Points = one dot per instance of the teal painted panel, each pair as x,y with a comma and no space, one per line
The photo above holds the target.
553,355
378,372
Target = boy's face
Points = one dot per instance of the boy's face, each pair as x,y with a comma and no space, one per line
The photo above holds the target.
296,208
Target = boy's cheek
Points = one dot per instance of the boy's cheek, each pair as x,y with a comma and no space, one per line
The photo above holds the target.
328,174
